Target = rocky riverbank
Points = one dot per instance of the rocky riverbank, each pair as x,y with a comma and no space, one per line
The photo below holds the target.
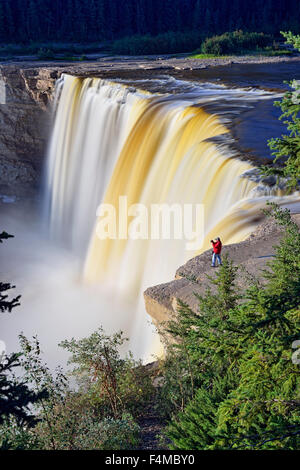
150,62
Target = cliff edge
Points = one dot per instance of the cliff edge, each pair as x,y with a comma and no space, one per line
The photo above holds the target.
25,121
251,255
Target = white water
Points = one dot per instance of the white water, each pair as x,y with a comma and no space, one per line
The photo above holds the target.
92,122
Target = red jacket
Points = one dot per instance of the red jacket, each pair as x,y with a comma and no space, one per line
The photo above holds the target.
217,247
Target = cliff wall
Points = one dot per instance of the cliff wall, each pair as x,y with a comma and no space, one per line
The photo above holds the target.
25,119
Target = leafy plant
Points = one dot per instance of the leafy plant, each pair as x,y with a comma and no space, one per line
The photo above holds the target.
108,434
45,54
5,304
14,436
78,427
15,396
52,389
235,42
292,39
111,384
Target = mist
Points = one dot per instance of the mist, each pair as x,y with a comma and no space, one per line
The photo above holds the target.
55,303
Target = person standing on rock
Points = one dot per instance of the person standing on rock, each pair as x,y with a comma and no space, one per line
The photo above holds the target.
217,248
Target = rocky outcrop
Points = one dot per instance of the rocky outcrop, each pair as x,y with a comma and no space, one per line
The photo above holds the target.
251,255
24,127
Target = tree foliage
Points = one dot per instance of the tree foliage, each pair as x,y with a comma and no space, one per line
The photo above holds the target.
40,410
286,149
235,42
245,384
67,417
7,305
15,395
111,384
98,20
164,43
292,39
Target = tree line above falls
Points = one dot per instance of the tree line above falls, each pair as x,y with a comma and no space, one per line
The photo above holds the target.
98,20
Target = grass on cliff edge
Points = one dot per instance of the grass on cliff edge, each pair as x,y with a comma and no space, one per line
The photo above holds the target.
263,52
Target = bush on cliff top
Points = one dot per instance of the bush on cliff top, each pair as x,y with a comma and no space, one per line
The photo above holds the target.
235,42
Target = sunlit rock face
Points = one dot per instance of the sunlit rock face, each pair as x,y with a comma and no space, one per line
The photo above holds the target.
25,126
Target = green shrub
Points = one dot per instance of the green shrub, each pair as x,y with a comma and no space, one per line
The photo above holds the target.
79,428
109,434
107,382
167,43
74,428
45,54
96,415
235,42
292,39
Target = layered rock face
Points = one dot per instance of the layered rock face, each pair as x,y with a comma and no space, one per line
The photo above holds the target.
24,127
251,256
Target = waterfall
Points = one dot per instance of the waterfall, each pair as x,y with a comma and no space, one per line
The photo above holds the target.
110,140
92,121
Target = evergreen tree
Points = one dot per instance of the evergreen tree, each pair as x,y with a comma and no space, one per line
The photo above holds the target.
67,27
286,148
80,20
292,39
198,15
140,18
7,305
207,21
92,21
246,390
100,19
127,17
15,396
2,23
10,26
33,19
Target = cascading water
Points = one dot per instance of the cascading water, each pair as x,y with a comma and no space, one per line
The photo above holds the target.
110,141
92,121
